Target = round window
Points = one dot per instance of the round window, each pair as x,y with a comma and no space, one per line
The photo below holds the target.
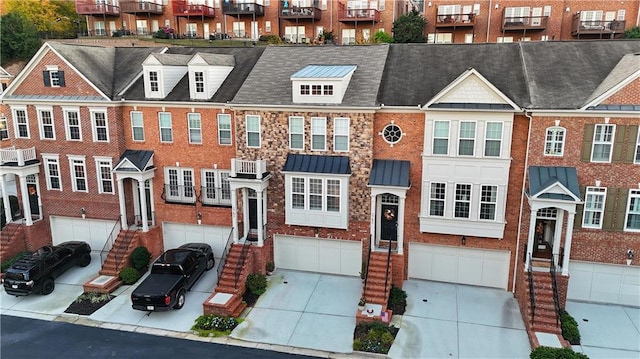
392,133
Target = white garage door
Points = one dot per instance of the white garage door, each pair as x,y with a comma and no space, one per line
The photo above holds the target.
318,255
176,234
483,267
93,231
605,283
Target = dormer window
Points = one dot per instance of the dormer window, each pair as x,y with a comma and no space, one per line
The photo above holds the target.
328,90
321,83
199,81
153,81
53,77
304,90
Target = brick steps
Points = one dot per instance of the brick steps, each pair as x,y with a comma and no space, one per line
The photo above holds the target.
10,236
375,291
227,283
545,319
117,259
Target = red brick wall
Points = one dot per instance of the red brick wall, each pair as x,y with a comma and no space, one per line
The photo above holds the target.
629,95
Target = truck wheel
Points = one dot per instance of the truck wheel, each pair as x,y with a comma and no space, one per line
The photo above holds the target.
47,286
210,262
85,260
180,298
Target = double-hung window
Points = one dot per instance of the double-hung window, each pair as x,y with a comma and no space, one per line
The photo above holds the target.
78,173
296,132
4,129
72,124
153,81
317,200
52,171
253,130
488,202
467,140
105,177
166,129
45,119
216,189
632,220
318,133
636,160
594,207
440,138
179,185
199,80
602,143
493,139
554,141
462,201
99,125
437,196
137,126
224,129
297,193
341,134
21,122
195,128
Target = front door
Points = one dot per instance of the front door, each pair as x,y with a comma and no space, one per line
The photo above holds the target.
253,210
389,222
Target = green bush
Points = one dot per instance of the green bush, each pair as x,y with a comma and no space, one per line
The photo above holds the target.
270,266
9,262
129,275
257,283
382,36
270,39
374,337
214,325
140,258
569,327
397,300
555,353
93,297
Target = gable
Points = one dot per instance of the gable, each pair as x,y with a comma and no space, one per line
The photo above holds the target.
627,95
471,90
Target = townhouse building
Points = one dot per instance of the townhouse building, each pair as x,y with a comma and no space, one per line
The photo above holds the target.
356,21
433,162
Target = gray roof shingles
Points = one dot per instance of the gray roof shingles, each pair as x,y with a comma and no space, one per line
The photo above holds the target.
338,165
541,177
393,173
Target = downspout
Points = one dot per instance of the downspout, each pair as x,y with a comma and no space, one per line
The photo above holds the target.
638,16
524,181
489,20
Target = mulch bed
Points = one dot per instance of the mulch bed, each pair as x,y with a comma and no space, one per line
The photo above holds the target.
85,306
250,298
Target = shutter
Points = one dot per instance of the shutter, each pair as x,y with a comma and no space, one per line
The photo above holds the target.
630,146
61,78
618,143
621,210
587,141
46,79
610,209
577,221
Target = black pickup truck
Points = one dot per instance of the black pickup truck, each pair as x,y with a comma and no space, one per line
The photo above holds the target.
34,273
172,275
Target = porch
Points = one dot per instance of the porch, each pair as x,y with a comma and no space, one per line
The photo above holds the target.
141,7
184,8
240,8
96,7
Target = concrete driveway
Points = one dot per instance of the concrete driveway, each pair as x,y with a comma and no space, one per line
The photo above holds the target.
446,320
306,310
607,331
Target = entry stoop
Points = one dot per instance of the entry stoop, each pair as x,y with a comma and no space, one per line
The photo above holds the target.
102,284
376,291
108,278
226,300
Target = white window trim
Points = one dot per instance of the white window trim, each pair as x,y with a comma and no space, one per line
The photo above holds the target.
336,134
14,112
594,192
611,143
555,130
455,200
196,82
94,124
486,139
434,138
633,193
133,127
219,199
74,183
319,132
481,202
637,154
198,129
292,133
318,217
45,160
259,130
160,127
157,81
40,110
181,197
66,111
230,130
444,200
475,134
99,161
4,127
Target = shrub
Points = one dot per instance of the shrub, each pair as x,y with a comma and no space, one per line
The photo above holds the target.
570,329
270,266
397,300
140,258
214,325
9,262
555,353
270,39
129,275
374,337
257,283
93,297
382,36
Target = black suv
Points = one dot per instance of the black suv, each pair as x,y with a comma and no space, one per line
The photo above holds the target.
34,273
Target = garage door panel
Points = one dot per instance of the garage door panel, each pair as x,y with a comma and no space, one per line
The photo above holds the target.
468,272
493,273
330,261
348,265
176,234
606,287
605,283
286,255
318,255
93,231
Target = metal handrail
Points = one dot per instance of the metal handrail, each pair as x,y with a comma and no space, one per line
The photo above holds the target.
386,275
243,254
126,241
108,244
554,285
365,267
225,253
532,295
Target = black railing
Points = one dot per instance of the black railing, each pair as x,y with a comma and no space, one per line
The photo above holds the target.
386,274
225,253
108,244
179,194
365,267
554,285
243,256
215,196
532,294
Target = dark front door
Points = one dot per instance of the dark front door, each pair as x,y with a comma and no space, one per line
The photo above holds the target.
389,222
253,213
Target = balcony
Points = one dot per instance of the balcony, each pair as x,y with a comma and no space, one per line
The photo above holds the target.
182,8
455,20
231,8
179,194
89,7
300,13
355,15
215,196
18,157
140,7
523,23
597,27
248,169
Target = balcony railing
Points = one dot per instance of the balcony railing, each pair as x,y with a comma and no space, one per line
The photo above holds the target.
300,13
215,196
91,8
231,8
595,27
143,7
248,169
18,157
455,20
353,15
179,194
524,23
182,8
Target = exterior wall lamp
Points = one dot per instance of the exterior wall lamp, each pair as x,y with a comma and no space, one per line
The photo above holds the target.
630,255
199,217
83,213
464,240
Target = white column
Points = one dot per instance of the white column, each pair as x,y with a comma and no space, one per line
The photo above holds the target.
123,207
26,206
372,222
400,233
246,225
153,204
567,243
557,238
531,242
5,200
260,219
39,198
135,187
234,214
143,206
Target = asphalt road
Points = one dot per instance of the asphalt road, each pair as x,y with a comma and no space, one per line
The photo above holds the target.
31,338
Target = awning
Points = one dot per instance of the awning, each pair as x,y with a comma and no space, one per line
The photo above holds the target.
560,183
135,161
391,173
338,165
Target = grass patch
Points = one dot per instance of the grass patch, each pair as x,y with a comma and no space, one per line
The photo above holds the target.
374,337
215,325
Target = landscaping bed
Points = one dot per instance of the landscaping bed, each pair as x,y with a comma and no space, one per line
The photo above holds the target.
87,303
